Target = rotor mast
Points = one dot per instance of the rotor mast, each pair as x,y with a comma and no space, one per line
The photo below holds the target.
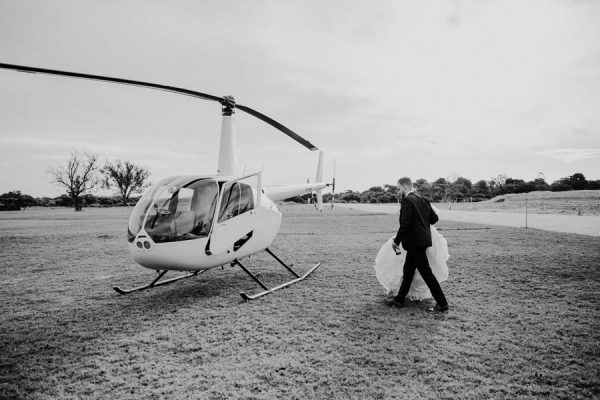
228,163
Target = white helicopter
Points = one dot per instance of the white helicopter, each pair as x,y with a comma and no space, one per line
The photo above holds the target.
194,223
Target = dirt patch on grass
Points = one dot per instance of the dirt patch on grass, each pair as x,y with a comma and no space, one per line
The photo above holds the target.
523,323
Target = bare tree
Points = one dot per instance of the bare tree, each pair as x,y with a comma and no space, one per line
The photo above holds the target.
78,177
126,177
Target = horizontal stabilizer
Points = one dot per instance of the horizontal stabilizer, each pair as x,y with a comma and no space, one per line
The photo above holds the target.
278,193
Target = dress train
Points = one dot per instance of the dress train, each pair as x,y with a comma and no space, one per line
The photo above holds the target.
389,267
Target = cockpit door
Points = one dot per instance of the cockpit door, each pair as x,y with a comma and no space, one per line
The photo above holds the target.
236,218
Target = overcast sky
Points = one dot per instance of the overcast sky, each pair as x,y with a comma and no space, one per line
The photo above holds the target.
427,89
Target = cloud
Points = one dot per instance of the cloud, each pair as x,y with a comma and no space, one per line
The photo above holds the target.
571,155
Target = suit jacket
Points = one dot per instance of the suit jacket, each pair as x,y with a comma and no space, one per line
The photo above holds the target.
416,215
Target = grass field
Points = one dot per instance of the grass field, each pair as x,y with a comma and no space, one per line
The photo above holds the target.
524,319
573,202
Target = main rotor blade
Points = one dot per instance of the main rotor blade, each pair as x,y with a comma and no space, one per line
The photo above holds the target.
225,101
277,125
23,68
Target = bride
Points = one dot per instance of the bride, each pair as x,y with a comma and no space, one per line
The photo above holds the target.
389,267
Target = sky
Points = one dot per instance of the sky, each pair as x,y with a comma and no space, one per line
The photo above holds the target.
421,88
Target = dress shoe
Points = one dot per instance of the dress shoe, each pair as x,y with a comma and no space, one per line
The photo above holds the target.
395,303
440,308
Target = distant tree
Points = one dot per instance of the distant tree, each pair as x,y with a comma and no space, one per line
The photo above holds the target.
540,183
77,177
463,181
439,188
480,189
423,187
350,196
63,201
512,185
391,189
387,199
593,185
577,181
107,201
525,187
89,199
126,177
29,201
561,185
498,185
499,180
11,201
46,202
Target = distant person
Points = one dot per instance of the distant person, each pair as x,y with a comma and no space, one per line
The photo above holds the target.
414,234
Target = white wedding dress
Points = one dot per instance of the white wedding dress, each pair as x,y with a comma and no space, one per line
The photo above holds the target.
389,267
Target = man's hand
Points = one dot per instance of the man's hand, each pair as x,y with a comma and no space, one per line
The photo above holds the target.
396,248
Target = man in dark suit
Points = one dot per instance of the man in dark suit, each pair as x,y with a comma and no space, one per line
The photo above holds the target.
416,216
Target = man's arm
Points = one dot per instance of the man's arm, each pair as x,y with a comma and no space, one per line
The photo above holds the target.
406,212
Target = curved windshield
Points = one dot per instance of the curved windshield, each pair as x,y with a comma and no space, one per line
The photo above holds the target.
139,212
180,209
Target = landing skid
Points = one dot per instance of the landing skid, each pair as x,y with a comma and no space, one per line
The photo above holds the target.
267,290
156,282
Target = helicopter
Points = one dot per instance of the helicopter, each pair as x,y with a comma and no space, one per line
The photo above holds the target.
193,223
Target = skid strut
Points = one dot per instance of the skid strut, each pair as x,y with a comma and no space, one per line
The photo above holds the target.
156,282
267,290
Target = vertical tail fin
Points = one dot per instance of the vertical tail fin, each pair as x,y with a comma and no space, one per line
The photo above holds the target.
320,180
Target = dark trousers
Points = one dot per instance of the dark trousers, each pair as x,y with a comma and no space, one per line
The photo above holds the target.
417,260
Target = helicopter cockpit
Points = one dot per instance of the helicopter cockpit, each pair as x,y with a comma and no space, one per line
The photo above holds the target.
183,208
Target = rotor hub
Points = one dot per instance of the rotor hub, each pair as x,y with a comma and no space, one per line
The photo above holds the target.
228,103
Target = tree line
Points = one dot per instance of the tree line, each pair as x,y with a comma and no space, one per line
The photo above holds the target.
462,189
82,174
79,177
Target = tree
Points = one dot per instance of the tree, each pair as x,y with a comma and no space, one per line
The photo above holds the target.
350,196
11,201
423,187
78,177
480,189
498,185
561,185
593,185
391,189
464,182
126,177
540,184
577,181
438,189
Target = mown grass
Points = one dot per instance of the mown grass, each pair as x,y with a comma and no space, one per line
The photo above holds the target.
573,202
523,321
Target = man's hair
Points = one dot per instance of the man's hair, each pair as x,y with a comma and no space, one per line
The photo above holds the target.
405,181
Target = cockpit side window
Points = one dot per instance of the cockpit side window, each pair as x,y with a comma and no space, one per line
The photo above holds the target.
236,199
